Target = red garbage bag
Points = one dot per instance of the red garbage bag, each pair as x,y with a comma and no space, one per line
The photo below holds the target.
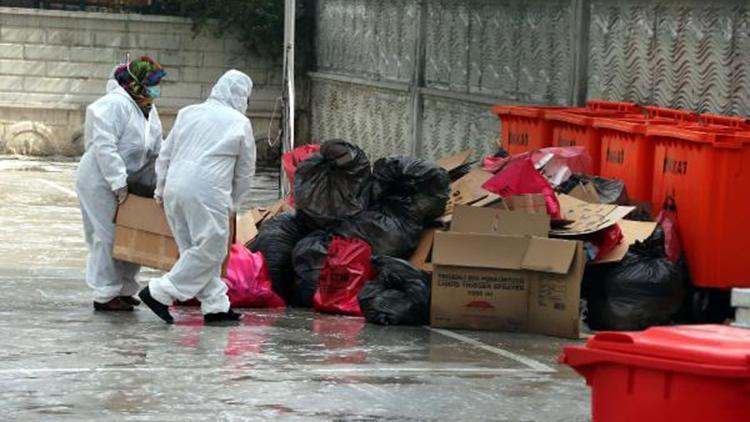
520,177
346,270
667,219
248,283
604,241
290,160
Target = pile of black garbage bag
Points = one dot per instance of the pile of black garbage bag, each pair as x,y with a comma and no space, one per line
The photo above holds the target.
338,193
643,290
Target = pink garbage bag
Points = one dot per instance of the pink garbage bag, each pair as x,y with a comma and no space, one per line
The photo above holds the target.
520,177
248,283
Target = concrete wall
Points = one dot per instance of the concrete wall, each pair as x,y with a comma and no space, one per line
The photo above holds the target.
54,63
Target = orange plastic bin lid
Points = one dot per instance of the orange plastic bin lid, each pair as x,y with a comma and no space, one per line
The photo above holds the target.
716,345
585,117
525,111
720,136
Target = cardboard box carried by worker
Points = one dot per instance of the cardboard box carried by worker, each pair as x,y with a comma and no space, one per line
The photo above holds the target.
143,236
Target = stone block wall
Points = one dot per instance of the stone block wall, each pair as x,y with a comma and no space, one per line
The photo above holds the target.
54,63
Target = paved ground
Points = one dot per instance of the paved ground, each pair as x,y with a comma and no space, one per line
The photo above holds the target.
60,361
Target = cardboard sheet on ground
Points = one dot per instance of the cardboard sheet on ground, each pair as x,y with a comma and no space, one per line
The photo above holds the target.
455,161
586,192
246,227
498,221
468,189
421,256
632,231
587,217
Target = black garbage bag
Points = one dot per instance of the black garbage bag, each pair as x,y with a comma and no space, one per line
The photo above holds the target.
610,191
386,234
142,182
399,295
276,240
330,185
642,290
308,259
409,188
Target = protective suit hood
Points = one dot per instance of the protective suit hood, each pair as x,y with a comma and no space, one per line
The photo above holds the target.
233,90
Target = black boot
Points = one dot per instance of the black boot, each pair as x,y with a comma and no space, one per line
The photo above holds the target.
114,305
161,310
130,300
222,318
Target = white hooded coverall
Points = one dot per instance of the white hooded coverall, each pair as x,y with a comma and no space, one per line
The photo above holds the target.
118,141
203,171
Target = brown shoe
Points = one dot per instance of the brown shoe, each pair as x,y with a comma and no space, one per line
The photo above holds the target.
114,305
130,300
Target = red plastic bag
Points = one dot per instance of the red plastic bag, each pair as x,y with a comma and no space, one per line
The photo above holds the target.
494,164
605,240
576,159
520,177
290,160
345,272
247,280
667,219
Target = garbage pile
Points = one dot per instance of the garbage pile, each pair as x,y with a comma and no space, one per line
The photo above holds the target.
518,243
332,251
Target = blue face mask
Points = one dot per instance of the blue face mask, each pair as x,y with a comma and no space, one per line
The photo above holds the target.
152,91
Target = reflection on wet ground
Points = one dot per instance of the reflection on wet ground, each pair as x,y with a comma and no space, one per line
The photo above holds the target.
59,360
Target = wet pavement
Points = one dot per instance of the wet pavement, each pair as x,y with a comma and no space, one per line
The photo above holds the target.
61,361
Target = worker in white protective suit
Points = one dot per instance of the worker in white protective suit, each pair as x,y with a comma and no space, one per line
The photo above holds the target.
203,172
122,130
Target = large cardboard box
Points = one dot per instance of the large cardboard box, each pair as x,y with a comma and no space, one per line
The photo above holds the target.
143,236
498,270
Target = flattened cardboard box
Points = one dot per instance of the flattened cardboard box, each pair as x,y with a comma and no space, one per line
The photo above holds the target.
455,161
143,236
506,275
588,218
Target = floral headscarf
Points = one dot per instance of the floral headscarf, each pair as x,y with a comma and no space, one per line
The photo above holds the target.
133,77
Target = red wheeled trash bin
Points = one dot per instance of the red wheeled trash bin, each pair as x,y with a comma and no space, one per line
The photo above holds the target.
524,128
706,170
694,373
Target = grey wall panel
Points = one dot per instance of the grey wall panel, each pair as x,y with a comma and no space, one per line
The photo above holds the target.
741,64
447,44
451,126
687,54
505,49
620,40
693,54
375,119
373,38
545,52
495,34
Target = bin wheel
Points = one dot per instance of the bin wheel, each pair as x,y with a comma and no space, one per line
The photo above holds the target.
700,306
711,306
